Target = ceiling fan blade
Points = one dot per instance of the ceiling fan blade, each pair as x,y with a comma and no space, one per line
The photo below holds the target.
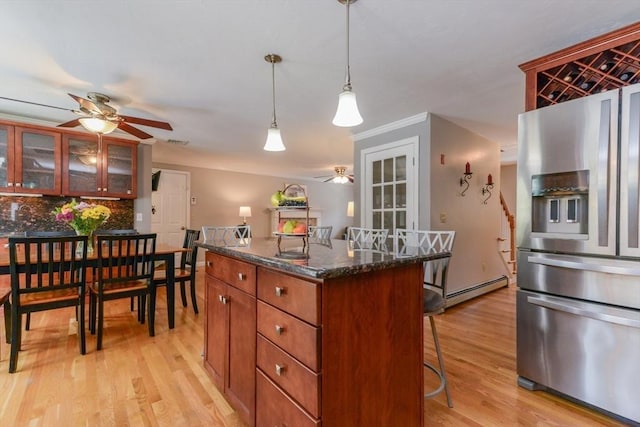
86,104
146,122
350,177
70,124
134,131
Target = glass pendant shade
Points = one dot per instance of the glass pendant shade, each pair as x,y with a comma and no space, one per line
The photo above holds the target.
96,125
274,140
347,114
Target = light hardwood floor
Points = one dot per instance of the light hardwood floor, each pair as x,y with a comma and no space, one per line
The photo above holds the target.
137,380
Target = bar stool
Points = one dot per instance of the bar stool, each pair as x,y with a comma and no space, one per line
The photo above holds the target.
432,305
407,242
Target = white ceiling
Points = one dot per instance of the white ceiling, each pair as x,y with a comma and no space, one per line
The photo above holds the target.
199,64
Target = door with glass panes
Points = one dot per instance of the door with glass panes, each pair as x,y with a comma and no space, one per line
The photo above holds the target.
390,198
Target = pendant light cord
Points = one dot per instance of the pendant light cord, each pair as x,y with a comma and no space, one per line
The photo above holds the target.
273,91
347,78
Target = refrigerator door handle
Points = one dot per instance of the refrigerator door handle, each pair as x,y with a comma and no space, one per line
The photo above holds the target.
589,266
602,184
633,146
608,314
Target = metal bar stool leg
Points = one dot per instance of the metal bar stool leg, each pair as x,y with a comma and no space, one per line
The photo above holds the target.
441,373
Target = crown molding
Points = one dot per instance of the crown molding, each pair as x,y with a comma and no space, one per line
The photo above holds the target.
399,124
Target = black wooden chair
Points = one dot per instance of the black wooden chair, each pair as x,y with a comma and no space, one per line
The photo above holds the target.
37,233
125,269
186,271
46,273
5,293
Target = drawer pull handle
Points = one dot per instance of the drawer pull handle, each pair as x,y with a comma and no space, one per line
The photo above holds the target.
280,291
242,276
209,263
279,329
223,299
280,369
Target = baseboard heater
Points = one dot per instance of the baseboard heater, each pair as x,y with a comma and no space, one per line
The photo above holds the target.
476,290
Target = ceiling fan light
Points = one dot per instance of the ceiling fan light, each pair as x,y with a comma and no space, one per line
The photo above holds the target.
97,125
274,140
340,179
347,113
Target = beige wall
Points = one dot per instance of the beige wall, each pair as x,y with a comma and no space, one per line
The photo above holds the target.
219,195
476,256
509,178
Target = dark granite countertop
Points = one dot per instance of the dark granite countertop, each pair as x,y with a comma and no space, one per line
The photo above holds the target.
322,259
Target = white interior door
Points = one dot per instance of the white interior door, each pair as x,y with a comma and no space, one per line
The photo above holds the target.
390,197
170,207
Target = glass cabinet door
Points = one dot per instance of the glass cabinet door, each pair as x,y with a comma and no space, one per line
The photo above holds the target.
81,163
37,161
6,158
119,170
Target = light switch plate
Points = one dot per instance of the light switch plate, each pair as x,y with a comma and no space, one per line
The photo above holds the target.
138,217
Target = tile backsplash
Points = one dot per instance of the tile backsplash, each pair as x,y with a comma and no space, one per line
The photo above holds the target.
18,213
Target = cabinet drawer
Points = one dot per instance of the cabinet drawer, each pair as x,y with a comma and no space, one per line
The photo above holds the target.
297,380
239,274
295,296
294,336
275,408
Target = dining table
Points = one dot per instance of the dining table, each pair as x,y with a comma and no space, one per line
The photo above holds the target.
164,253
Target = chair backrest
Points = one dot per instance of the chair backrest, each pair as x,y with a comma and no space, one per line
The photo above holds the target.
125,257
320,232
362,235
45,264
190,257
65,233
235,236
428,241
119,232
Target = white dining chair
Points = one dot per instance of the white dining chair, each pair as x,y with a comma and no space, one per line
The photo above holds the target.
320,232
232,236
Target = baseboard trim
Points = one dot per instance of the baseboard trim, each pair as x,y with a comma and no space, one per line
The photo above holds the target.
476,290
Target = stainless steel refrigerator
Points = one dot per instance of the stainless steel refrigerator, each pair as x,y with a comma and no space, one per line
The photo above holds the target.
578,214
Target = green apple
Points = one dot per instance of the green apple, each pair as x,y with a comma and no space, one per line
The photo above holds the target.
289,226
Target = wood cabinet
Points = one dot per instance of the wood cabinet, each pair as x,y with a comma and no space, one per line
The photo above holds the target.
91,168
338,351
230,330
39,160
29,160
606,62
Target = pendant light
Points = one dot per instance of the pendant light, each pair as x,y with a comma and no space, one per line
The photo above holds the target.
274,140
347,114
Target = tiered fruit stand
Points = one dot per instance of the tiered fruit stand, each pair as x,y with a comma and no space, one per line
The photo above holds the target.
300,204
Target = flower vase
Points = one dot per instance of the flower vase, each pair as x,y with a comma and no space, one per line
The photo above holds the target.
89,243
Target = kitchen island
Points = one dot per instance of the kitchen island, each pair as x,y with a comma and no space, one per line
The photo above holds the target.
318,334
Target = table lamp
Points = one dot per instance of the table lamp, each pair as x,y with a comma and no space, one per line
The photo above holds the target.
245,211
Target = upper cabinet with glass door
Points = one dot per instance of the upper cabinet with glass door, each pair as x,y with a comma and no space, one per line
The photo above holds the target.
101,170
29,160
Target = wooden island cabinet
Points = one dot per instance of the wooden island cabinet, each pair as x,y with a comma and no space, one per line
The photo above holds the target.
332,337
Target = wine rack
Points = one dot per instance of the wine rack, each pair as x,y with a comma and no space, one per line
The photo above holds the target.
607,62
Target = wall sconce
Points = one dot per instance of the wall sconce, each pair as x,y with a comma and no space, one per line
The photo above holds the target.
350,209
245,211
464,181
487,188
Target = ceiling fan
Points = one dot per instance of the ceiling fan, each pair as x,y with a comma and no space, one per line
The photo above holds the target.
340,177
99,117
